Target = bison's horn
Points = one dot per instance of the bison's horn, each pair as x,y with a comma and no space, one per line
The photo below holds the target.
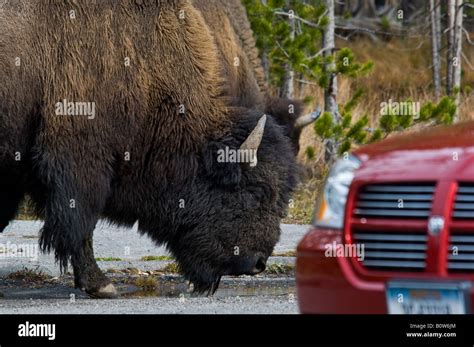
303,121
254,139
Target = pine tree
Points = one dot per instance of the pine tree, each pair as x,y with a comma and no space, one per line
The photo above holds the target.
297,37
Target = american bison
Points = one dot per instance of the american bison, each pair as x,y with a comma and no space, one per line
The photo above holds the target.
120,110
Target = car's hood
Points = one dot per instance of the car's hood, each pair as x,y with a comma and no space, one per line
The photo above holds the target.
431,154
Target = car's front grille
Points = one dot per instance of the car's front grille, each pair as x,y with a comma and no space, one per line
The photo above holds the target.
412,200
392,220
392,251
461,253
464,204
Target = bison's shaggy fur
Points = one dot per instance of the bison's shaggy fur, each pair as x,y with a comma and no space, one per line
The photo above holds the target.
149,155
230,27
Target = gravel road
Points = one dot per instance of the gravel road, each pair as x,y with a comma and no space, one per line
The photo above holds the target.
122,250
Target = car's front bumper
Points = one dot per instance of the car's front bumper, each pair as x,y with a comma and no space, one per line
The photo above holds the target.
327,284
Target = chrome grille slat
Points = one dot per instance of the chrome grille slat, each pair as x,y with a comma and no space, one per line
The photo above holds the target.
391,204
462,248
400,188
461,257
395,255
391,251
463,214
390,201
463,206
400,246
391,213
390,237
464,198
461,266
396,197
463,238
395,264
466,189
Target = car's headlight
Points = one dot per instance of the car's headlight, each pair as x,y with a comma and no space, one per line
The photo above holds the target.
332,200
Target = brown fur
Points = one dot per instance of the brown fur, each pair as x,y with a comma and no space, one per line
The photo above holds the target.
237,15
233,35
238,68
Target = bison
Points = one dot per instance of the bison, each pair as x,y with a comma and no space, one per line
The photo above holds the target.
120,110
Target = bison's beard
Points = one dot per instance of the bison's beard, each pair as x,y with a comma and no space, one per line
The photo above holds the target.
205,279
208,287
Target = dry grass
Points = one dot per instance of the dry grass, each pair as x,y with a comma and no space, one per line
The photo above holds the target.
302,205
29,275
280,269
403,70
146,283
156,258
172,268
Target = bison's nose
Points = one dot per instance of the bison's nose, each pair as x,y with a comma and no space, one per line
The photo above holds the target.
259,266
250,265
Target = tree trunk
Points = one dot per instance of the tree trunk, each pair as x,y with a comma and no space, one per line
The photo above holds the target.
435,40
457,55
330,94
288,88
450,46
438,23
266,66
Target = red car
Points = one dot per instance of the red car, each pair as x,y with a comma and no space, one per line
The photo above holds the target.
394,229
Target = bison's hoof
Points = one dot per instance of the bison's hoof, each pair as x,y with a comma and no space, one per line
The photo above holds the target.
106,292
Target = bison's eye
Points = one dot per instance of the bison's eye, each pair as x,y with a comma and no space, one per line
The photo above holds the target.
257,192
262,192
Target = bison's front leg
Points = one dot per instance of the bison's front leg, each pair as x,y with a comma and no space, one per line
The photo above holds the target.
88,276
75,192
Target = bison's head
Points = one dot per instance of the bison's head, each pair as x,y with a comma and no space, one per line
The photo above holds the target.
231,221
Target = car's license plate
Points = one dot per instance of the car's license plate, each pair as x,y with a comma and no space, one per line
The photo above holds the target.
426,298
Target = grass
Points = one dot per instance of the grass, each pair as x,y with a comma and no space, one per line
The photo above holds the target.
171,268
301,208
280,269
29,275
146,283
284,254
156,258
108,259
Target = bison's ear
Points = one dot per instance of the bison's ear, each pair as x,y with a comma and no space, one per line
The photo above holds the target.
219,170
